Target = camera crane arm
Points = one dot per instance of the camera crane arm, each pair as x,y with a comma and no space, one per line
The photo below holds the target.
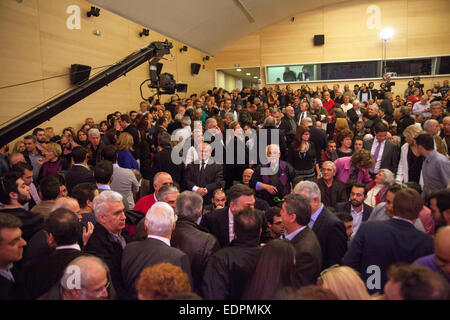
66,100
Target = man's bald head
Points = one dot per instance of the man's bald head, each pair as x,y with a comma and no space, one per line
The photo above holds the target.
442,250
161,178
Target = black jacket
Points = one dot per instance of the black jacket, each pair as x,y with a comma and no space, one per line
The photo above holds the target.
139,255
346,207
338,193
162,162
228,271
213,178
78,174
217,223
319,138
198,245
32,222
332,238
382,243
37,277
102,244
308,257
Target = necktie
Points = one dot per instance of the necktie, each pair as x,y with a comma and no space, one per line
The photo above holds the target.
201,176
375,155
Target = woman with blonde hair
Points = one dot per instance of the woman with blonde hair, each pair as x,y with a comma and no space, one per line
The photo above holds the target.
19,147
410,164
124,145
53,162
344,282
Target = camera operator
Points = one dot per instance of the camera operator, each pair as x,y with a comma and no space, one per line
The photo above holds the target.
410,89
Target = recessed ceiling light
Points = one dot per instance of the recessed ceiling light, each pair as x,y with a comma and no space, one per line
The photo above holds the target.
255,77
239,70
248,74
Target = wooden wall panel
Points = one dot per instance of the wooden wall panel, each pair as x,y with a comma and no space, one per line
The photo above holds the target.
420,30
36,43
428,30
245,52
289,41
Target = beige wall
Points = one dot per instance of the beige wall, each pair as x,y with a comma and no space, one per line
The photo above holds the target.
36,43
421,30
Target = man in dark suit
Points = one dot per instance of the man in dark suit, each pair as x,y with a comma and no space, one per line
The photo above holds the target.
110,236
96,146
79,172
288,124
316,136
304,113
228,270
162,161
332,191
189,238
138,255
404,122
355,113
11,251
128,126
63,230
385,152
356,206
379,244
328,228
220,222
205,177
295,215
271,135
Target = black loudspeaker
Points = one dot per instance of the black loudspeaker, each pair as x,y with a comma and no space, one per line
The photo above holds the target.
319,39
195,68
79,73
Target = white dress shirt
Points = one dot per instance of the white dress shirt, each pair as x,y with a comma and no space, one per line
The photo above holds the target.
357,218
230,225
165,240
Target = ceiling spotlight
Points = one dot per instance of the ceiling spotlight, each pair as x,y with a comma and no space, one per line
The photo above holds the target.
144,32
94,12
206,58
255,77
386,33
248,74
184,48
239,70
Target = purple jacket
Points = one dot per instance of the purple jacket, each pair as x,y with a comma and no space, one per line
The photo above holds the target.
343,171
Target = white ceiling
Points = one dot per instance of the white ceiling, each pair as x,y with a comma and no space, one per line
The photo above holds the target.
209,25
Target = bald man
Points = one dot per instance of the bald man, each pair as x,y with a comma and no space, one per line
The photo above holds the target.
440,260
93,284
145,203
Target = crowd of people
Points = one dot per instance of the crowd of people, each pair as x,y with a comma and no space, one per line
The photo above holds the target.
254,194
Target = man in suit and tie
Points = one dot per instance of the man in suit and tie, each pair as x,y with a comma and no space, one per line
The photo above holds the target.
328,228
138,255
206,176
220,222
383,243
63,230
304,113
79,171
356,206
385,152
295,215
